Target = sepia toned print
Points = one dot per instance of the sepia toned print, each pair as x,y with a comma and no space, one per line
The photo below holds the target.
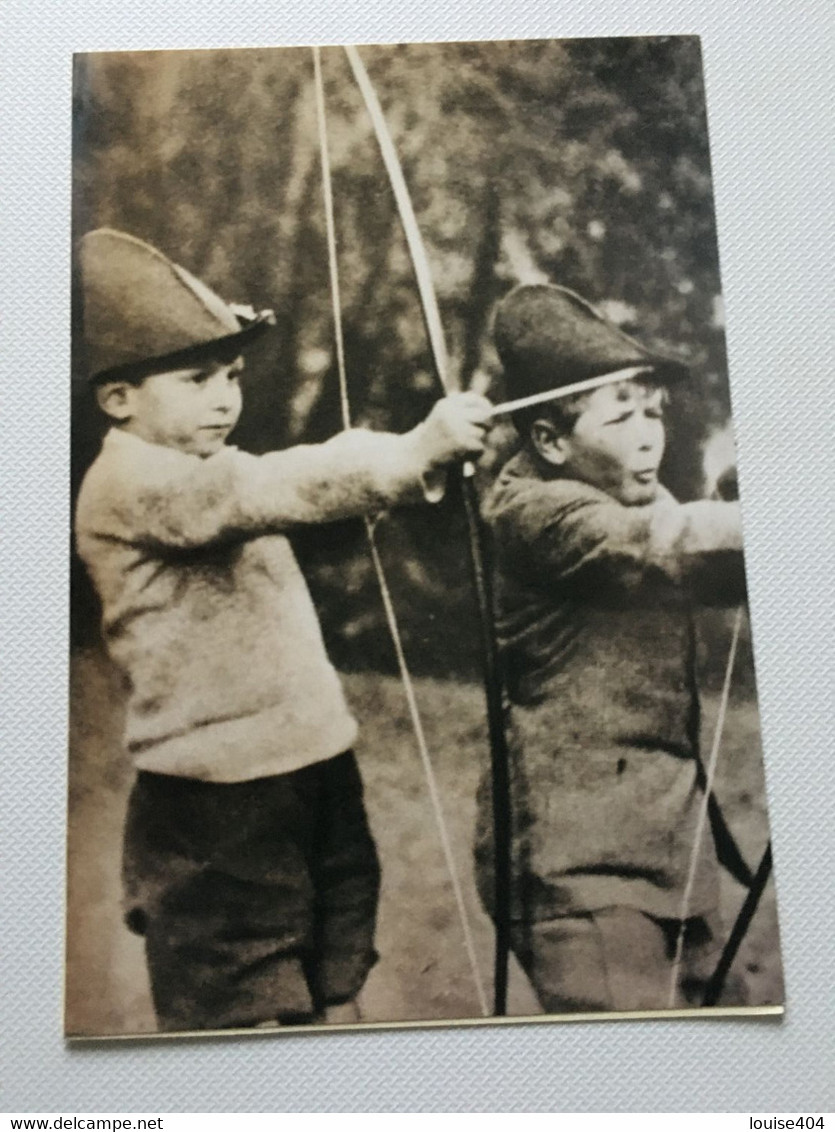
411,674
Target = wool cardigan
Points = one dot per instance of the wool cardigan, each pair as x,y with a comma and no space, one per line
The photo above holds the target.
595,603
204,607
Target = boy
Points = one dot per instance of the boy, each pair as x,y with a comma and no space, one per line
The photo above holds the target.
597,568
248,863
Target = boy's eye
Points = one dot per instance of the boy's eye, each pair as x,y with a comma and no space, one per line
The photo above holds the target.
201,376
621,418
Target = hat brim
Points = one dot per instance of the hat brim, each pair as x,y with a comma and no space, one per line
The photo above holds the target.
223,350
667,371
664,369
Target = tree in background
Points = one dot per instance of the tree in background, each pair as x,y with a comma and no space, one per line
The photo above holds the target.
584,162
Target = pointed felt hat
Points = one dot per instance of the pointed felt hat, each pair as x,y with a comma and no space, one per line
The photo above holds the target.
548,337
144,314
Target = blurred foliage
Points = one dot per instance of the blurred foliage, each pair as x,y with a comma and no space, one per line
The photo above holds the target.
584,162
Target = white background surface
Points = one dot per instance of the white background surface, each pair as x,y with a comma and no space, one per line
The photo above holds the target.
770,100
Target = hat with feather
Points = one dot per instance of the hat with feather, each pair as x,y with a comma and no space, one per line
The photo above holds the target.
143,314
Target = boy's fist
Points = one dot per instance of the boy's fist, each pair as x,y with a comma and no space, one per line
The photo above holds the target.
456,427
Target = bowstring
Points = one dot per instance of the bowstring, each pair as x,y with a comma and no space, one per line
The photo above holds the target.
710,776
385,593
499,757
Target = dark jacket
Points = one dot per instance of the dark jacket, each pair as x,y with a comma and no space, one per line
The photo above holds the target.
594,607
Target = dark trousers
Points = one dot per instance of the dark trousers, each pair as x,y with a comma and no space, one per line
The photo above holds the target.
257,900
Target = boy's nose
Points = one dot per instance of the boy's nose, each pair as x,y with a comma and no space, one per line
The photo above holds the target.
223,397
650,442
649,435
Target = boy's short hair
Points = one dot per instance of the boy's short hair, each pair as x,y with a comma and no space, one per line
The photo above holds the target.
562,412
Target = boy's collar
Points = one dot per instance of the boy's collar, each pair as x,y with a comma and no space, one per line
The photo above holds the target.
526,464
119,438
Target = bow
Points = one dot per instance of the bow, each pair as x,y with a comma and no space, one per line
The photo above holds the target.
499,764
492,685
727,851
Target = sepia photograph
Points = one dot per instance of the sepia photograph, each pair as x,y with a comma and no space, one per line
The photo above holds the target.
411,675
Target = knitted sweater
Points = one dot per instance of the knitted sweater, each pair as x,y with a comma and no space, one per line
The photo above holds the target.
205,609
594,618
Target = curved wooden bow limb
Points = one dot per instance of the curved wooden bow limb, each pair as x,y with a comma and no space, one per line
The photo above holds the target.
388,605
481,578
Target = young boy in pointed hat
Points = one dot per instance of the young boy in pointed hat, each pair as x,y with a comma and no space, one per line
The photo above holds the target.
248,863
597,571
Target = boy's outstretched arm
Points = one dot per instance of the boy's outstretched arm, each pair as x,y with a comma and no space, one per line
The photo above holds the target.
143,493
575,533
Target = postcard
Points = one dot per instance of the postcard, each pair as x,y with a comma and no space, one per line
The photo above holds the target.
411,673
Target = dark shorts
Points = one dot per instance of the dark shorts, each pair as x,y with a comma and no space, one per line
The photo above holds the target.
257,900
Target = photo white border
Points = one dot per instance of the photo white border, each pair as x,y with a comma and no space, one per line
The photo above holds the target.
768,73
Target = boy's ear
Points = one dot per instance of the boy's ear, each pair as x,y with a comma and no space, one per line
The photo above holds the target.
115,398
549,441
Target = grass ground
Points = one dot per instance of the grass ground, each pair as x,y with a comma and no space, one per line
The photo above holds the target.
423,972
